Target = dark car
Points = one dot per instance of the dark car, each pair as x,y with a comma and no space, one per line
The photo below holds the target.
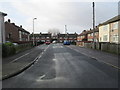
66,43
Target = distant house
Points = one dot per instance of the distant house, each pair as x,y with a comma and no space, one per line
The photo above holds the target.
15,33
90,36
42,37
87,37
69,37
108,31
82,38
2,27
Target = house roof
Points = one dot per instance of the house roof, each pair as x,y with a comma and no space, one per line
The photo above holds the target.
18,28
114,19
4,14
83,33
70,35
42,35
21,29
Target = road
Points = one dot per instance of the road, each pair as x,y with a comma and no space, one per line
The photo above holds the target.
61,67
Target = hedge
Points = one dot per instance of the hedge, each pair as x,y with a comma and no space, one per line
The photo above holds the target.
8,49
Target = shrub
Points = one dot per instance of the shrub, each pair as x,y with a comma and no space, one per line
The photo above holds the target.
8,49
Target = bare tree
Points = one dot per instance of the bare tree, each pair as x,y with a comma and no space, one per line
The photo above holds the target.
54,31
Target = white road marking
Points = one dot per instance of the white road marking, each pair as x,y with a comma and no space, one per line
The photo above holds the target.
54,59
41,77
19,57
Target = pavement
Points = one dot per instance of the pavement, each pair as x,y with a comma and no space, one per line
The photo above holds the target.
105,57
62,67
17,63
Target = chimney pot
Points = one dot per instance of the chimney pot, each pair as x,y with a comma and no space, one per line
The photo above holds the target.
21,26
9,20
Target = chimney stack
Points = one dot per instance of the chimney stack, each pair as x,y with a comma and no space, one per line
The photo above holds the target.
9,20
21,26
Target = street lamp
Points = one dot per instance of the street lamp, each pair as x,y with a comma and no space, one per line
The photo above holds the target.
33,32
66,32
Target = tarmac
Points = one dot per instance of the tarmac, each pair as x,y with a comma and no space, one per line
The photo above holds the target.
10,69
17,63
101,56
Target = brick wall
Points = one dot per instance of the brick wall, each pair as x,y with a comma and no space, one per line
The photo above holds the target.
11,32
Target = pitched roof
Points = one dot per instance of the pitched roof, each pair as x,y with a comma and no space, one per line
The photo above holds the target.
4,14
114,19
42,35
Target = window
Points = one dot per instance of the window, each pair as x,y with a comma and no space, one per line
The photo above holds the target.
36,37
115,38
20,37
115,25
96,33
9,35
91,34
90,39
60,37
70,38
105,27
43,37
105,38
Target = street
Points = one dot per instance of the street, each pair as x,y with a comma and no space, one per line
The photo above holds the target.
61,67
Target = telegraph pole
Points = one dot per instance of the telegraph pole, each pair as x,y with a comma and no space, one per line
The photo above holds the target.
93,24
33,32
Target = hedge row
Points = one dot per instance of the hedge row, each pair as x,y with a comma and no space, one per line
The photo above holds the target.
9,49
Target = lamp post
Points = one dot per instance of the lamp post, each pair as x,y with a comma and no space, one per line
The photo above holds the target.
33,32
66,32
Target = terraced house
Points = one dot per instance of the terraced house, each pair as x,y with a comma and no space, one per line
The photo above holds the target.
82,38
15,33
109,30
42,37
71,37
90,36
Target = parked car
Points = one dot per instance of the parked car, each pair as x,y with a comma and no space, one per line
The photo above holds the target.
66,43
47,42
54,42
16,44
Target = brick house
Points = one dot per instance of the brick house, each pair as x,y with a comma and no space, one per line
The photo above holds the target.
23,34
90,35
81,38
15,33
42,37
70,37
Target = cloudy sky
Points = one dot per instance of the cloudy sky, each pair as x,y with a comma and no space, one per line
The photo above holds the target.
76,14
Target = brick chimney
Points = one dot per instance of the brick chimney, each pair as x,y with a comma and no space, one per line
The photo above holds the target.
21,26
9,20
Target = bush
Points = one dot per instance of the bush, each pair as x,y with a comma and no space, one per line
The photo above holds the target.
8,49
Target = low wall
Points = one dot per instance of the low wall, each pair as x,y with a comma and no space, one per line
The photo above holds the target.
108,47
